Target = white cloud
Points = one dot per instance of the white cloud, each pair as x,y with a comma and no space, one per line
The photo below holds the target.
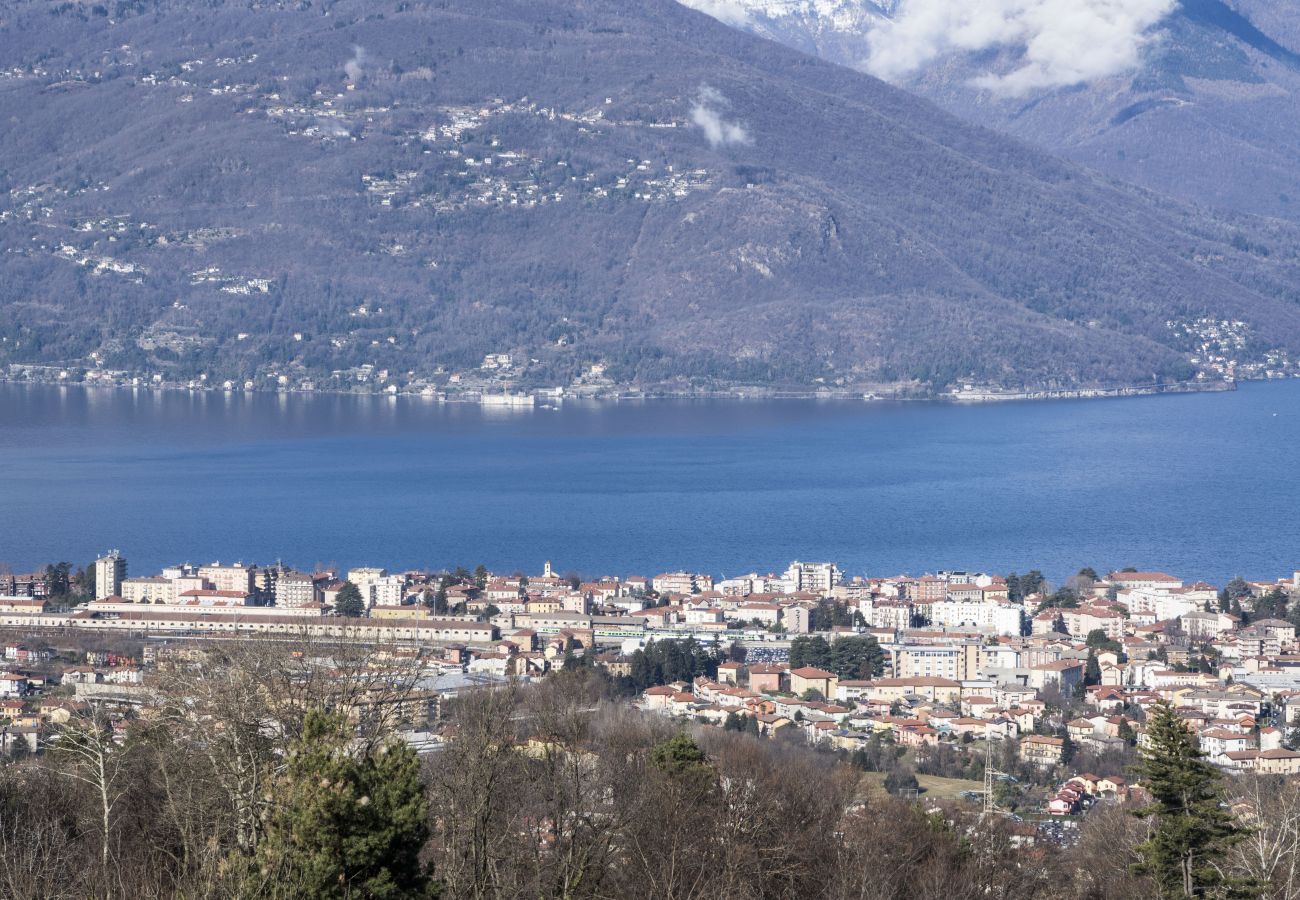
1063,42
706,114
730,12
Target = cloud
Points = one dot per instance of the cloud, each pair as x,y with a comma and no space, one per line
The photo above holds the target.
706,114
352,68
729,12
1060,42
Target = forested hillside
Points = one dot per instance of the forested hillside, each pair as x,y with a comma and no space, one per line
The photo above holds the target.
282,191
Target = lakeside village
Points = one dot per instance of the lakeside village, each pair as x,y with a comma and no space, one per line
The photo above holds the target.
1218,350
977,687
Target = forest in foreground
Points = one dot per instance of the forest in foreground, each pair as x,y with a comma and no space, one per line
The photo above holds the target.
259,772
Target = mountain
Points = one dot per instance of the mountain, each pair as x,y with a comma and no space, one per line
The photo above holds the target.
534,192
1210,114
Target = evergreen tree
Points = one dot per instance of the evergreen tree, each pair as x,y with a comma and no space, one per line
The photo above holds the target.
900,779
1098,640
1032,582
1239,612
1192,829
810,651
856,658
349,602
681,758
1272,605
1092,670
345,826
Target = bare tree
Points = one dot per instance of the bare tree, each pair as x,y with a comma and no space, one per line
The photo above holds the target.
95,756
475,786
42,854
1270,853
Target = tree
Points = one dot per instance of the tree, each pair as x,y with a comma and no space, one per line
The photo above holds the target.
93,758
1021,586
348,602
900,779
481,576
1065,598
345,825
1092,670
1068,749
1192,830
856,658
1237,588
812,651
1272,605
682,760
1098,640
1270,854
440,606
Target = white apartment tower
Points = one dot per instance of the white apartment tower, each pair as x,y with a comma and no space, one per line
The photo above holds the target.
110,572
817,578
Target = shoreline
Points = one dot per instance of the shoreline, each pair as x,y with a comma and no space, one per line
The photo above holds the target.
547,398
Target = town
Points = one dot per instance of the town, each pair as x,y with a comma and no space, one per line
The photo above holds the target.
1003,691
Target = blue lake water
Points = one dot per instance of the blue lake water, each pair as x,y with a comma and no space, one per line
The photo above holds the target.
1204,485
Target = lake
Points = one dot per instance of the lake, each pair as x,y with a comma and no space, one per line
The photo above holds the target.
1202,485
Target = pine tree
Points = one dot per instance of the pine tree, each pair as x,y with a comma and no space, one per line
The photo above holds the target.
685,764
345,826
348,602
1192,829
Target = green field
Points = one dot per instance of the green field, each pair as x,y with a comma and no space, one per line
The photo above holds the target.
933,786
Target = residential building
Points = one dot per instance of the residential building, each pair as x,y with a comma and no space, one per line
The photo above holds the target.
110,572
816,578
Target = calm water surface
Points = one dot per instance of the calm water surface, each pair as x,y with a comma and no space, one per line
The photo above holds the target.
1205,485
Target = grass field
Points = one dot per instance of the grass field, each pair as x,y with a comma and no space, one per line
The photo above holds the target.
934,787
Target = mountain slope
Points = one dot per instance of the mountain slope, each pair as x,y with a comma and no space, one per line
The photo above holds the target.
388,192
1211,115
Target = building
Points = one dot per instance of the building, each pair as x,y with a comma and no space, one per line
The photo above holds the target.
764,678
110,572
1067,675
23,605
816,578
295,589
938,690
149,589
1144,581
235,577
1040,750
378,588
811,679
961,611
681,583
957,662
